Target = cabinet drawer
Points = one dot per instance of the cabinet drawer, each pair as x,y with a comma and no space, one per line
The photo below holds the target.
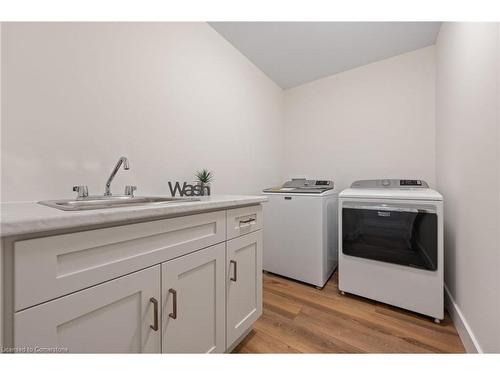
243,220
49,267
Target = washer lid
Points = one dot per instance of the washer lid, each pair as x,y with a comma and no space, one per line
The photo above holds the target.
302,186
299,193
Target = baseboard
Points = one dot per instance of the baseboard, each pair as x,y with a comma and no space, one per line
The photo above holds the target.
239,340
464,330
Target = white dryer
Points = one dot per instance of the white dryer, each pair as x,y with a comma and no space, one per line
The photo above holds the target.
391,244
300,230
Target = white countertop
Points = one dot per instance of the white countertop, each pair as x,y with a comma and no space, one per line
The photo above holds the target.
30,217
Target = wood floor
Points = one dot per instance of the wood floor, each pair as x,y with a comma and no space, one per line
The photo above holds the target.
299,318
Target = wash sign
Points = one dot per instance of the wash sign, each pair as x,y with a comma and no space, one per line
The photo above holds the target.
188,190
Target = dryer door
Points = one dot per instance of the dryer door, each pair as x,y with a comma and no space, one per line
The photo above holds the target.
401,234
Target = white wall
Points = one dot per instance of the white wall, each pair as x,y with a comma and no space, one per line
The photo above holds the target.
172,97
176,97
468,172
375,121
1,242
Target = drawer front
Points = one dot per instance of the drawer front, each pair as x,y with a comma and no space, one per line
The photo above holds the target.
243,220
49,267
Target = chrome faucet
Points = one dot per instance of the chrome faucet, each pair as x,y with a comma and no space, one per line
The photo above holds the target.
123,160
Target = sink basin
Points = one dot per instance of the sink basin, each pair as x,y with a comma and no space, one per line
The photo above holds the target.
95,203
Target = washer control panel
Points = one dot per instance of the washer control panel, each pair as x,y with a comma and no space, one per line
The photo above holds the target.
323,183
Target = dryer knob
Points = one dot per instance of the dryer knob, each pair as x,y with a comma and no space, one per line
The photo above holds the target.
386,182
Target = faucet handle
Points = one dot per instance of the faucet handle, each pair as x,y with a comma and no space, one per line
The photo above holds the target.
129,190
82,191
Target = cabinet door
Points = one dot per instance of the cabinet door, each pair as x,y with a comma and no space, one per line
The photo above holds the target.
114,317
193,302
244,284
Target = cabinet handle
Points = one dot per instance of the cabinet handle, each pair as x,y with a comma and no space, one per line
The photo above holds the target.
173,314
248,221
154,301
235,278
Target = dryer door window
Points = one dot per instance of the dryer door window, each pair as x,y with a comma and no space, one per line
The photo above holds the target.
399,235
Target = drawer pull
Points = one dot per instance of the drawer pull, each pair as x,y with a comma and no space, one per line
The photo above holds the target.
173,314
248,221
235,277
154,301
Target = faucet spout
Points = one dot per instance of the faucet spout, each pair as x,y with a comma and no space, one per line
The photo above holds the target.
123,160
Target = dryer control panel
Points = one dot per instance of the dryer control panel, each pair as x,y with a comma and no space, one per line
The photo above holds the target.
410,182
388,183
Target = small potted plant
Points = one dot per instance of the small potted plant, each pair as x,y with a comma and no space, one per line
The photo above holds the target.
204,178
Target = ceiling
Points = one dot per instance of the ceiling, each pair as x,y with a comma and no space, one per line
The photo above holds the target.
293,53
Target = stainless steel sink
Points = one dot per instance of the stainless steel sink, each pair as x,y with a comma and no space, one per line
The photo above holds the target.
99,202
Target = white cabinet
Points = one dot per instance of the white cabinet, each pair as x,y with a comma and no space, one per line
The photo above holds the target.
174,285
114,317
193,299
244,284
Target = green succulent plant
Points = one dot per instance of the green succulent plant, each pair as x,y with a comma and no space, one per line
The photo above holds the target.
204,176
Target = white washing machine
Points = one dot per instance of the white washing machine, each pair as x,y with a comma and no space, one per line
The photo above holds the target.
300,230
391,244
